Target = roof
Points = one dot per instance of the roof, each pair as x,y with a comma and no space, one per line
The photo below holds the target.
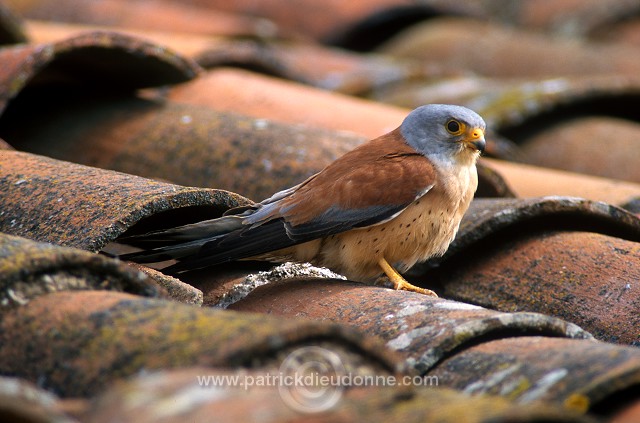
122,117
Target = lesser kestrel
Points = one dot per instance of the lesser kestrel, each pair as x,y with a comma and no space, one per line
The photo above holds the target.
389,203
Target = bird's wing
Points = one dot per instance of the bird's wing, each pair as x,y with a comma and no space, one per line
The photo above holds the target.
367,186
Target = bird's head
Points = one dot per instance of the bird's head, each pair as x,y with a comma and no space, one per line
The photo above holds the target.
446,132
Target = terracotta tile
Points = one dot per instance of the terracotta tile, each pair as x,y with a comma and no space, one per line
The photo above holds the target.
208,148
75,343
31,269
4,145
357,24
11,27
263,96
626,31
551,115
576,18
467,44
491,183
627,414
271,98
21,401
115,133
158,397
577,145
488,217
160,15
460,89
325,67
568,258
75,407
132,63
589,279
422,329
321,66
539,112
528,181
328,68
523,112
431,333
186,44
266,97
176,289
581,375
518,109
563,257
233,281
632,206
83,207
444,406
124,120
238,90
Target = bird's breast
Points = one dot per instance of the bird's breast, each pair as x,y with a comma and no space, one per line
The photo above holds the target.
421,231
424,229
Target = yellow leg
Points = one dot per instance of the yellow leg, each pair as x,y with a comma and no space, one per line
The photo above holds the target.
401,283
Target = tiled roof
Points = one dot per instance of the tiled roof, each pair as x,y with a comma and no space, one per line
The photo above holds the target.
123,117
11,27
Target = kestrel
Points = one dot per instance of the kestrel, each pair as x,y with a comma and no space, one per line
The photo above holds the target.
387,204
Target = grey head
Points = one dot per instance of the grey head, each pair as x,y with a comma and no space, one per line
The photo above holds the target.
444,131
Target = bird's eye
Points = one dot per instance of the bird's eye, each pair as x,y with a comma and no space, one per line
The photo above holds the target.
454,127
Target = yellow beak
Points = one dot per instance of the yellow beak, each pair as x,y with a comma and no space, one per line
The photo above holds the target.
475,139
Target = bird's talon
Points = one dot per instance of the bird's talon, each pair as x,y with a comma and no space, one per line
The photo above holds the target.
401,283
406,286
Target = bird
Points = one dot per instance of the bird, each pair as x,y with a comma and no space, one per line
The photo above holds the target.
377,210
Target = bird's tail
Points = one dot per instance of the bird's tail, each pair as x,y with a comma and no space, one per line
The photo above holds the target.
181,241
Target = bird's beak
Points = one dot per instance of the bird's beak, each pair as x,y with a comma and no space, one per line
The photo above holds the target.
475,140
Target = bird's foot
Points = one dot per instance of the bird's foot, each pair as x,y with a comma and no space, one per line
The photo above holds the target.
406,286
401,283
